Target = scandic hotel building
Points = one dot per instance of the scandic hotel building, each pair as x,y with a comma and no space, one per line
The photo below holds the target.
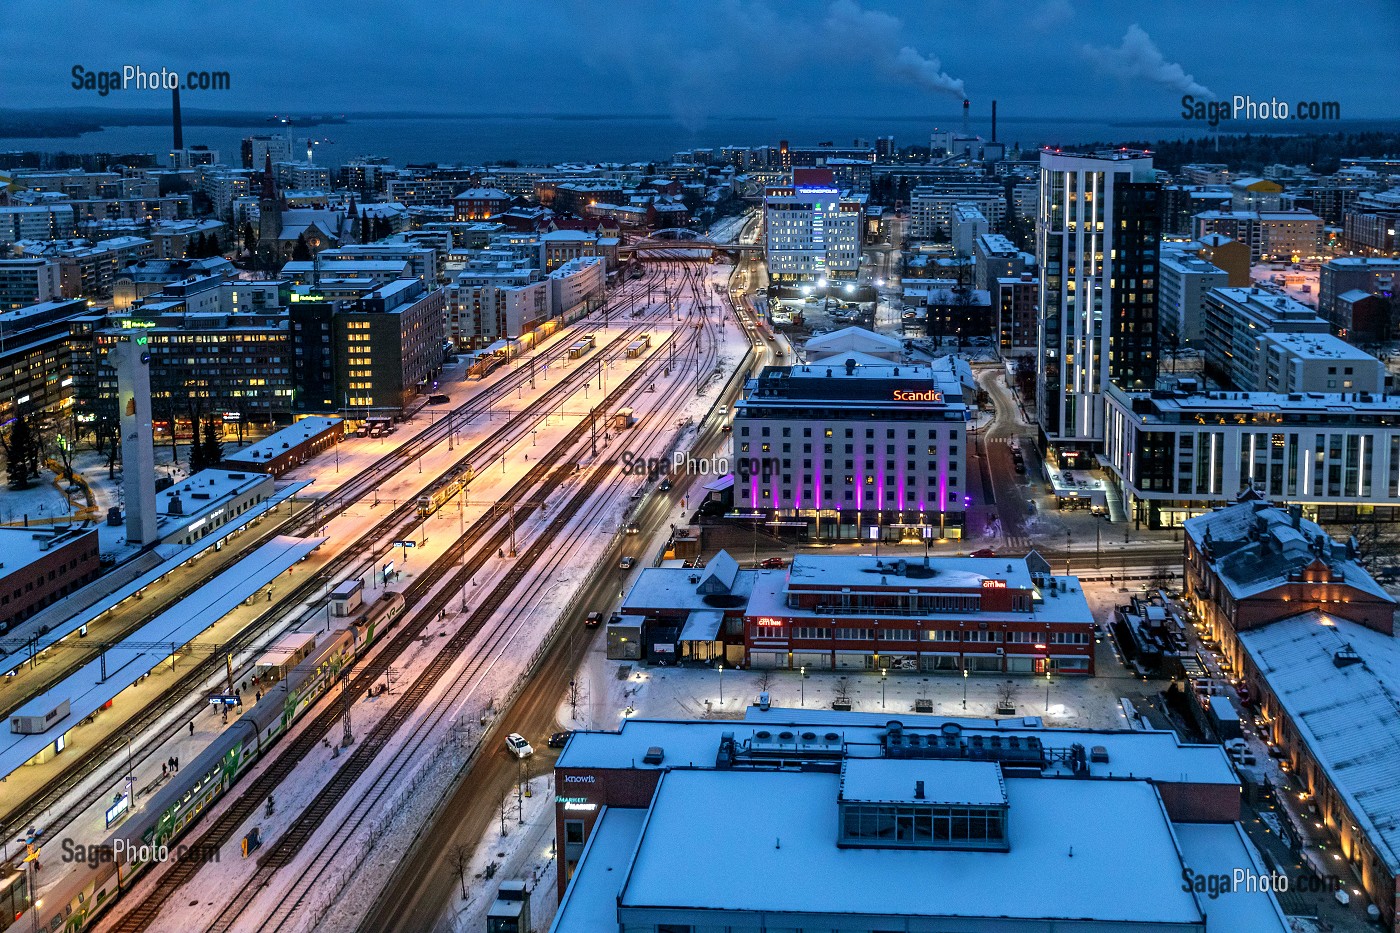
949,615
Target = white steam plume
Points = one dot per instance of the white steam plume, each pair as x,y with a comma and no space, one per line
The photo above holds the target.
1138,57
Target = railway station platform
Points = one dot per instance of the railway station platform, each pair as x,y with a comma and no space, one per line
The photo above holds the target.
84,709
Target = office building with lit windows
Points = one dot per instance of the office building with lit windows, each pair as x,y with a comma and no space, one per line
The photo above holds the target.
388,345
1175,454
854,446
812,233
1097,243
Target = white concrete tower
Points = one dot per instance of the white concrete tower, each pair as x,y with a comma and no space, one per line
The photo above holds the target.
132,362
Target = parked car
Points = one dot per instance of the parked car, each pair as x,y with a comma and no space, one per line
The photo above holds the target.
517,746
773,563
627,563
438,399
559,739
593,619
984,552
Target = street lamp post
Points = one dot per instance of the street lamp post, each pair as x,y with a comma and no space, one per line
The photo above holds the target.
883,672
1067,540
964,687
721,684
801,685
1047,685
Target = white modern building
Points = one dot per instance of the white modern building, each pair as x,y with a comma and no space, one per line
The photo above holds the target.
1236,319
1315,363
1181,296
854,446
1177,454
1097,245
490,301
931,207
576,281
36,222
811,232
968,226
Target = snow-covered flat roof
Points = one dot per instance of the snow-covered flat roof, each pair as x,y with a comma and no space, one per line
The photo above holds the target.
1219,849
590,901
275,444
789,828
894,780
60,620
20,547
865,570
1345,712
85,689
1156,756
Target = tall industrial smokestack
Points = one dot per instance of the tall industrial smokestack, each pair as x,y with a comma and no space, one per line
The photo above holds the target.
967,104
175,118
994,121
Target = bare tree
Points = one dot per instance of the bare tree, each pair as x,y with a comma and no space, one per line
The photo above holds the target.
1006,696
577,695
765,679
459,857
504,830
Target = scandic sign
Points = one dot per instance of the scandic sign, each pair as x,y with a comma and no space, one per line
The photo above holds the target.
931,395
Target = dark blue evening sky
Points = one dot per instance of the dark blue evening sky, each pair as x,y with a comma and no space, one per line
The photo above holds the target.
1041,58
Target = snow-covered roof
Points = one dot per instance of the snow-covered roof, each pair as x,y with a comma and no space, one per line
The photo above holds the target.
790,828
1156,756
1256,546
1216,849
702,625
866,570
590,902
275,444
87,691
894,780
1348,713
853,338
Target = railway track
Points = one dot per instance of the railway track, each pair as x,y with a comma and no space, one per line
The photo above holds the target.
393,525
539,560
487,536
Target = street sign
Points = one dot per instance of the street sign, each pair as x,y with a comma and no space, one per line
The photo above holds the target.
223,699
405,544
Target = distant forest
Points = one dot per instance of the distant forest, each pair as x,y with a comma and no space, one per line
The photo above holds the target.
1250,152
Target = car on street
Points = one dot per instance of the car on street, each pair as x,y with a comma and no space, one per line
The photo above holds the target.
517,746
665,485
627,563
725,429
593,619
559,739
632,529
773,563
984,552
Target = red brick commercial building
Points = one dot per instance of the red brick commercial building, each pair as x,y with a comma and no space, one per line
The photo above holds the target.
953,614
479,204
288,448
39,566
1251,563
835,612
